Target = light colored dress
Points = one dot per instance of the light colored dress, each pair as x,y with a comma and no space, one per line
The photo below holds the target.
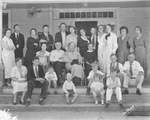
71,38
43,57
100,51
19,87
76,69
8,56
110,46
139,46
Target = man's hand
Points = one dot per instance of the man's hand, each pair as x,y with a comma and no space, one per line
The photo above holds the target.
35,44
17,46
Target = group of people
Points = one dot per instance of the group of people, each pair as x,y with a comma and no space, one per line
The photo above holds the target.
102,60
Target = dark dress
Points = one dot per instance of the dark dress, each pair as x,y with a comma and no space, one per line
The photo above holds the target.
139,46
31,51
82,45
90,57
123,49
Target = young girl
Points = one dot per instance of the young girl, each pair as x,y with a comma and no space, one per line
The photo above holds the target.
89,58
69,89
51,77
43,56
97,88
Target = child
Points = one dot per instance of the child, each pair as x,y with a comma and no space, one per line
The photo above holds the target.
97,88
91,75
69,89
51,77
113,84
89,58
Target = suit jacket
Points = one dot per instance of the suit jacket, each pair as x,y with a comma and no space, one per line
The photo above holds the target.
20,42
31,74
58,37
50,41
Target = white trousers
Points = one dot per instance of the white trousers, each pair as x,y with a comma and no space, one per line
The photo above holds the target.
133,82
109,93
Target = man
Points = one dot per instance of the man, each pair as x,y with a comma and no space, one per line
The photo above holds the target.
18,40
35,78
134,74
47,38
57,60
115,66
61,36
93,38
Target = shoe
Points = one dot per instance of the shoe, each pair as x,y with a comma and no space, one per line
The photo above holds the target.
102,102
41,102
28,103
107,104
125,92
14,103
55,93
48,93
121,105
96,102
68,102
88,91
138,92
22,103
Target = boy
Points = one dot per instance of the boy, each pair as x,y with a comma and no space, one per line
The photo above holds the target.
69,89
113,84
97,88
91,75
51,77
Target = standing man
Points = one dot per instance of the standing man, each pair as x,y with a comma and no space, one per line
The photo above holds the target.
93,38
45,37
61,35
18,40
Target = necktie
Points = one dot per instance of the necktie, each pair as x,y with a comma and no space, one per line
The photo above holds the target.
17,36
131,72
93,41
36,71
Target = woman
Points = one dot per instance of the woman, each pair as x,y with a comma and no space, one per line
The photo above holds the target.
43,56
110,46
73,62
101,29
32,47
8,56
139,45
19,81
72,37
124,45
82,42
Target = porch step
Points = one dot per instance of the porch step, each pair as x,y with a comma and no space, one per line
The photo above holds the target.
80,89
83,102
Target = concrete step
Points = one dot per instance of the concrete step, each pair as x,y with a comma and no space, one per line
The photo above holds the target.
80,89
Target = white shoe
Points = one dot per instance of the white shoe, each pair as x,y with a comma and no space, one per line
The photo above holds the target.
96,102
102,102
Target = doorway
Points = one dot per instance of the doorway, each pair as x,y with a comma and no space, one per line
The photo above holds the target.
86,25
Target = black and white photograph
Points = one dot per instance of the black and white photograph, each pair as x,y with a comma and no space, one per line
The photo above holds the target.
74,59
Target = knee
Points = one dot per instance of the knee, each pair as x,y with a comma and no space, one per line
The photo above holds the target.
30,83
46,83
67,95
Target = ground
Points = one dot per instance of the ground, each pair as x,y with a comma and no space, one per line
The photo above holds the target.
76,115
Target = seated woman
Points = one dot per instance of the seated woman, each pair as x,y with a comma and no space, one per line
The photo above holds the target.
19,82
43,56
73,61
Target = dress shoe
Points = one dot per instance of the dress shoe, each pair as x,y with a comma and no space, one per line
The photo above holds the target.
22,103
138,92
125,92
14,103
41,102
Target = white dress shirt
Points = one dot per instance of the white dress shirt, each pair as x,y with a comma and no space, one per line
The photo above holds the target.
34,69
63,38
55,55
136,67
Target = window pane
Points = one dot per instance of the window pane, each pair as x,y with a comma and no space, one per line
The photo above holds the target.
89,15
111,14
61,15
94,14
83,15
100,14
66,15
105,14
77,14
72,15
